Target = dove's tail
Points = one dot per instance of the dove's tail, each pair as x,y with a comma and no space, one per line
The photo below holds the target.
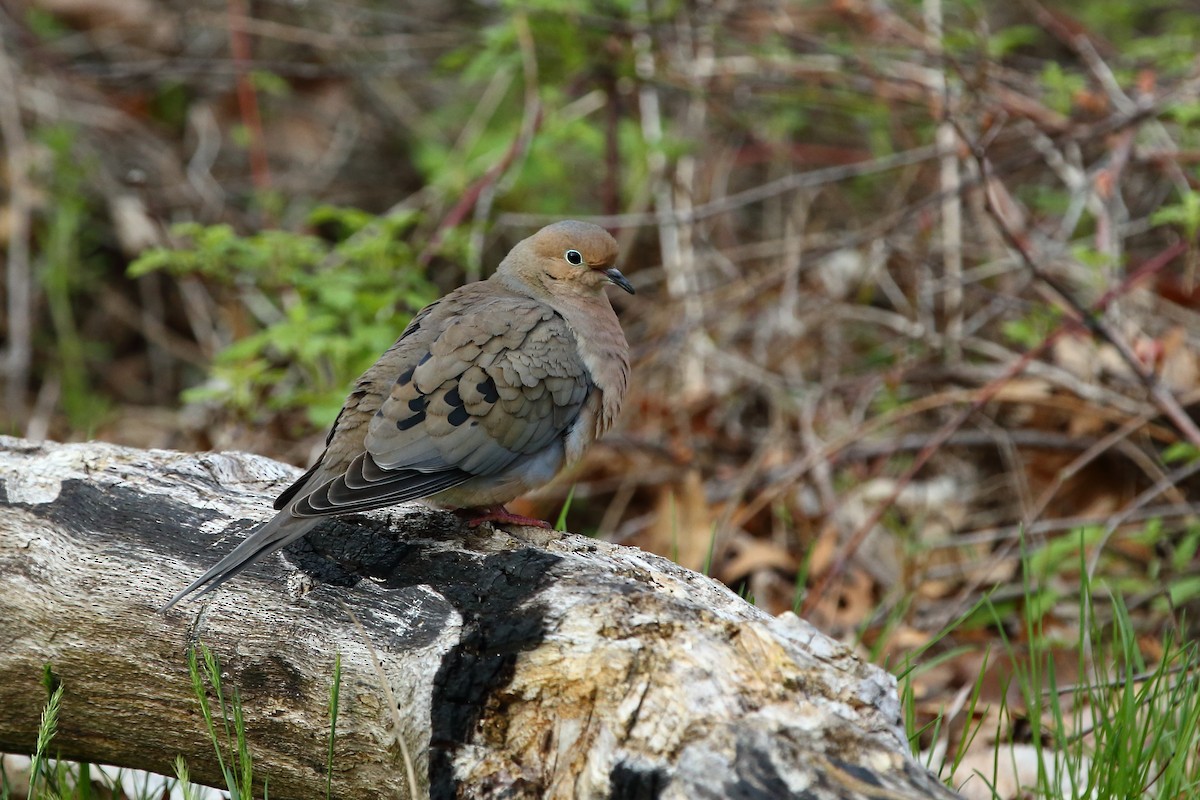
278,532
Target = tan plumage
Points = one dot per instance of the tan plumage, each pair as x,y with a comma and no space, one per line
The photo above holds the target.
488,393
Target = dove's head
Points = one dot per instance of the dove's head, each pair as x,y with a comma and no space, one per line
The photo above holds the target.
565,259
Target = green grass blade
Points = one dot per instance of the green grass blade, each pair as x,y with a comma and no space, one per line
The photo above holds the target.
212,671
205,710
561,523
46,730
83,784
334,694
712,546
185,782
243,750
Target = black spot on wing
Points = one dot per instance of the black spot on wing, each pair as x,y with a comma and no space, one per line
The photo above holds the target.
405,376
458,416
488,390
453,399
858,771
424,358
415,324
355,396
417,404
415,419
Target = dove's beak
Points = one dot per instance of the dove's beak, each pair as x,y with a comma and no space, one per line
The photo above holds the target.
617,279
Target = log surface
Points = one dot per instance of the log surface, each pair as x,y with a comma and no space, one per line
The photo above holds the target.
495,663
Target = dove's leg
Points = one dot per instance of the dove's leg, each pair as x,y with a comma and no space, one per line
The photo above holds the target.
478,516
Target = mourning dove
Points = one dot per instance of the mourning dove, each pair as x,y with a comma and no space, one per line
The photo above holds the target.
488,393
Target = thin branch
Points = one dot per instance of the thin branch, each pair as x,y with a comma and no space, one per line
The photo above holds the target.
950,183
18,277
788,183
1045,527
239,46
530,123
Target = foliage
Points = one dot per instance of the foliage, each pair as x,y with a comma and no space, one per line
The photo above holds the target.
1185,213
470,133
46,730
314,312
68,269
51,778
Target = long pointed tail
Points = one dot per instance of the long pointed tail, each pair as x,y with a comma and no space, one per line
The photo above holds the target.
274,534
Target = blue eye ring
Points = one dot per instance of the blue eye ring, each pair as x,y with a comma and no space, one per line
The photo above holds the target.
573,257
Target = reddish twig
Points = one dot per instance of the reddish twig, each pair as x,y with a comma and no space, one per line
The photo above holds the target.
18,274
530,123
610,188
239,46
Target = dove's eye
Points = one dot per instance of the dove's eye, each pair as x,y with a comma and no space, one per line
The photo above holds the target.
574,257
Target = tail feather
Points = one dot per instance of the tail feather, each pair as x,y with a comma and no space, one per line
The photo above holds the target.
274,534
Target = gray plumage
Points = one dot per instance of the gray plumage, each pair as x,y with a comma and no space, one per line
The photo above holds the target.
489,393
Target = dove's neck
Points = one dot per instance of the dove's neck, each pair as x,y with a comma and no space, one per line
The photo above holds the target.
598,335
603,350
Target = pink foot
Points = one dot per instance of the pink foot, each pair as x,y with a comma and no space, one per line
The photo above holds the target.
478,516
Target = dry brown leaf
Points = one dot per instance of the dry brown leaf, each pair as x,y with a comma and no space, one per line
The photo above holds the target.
1178,362
847,602
1077,355
824,549
682,525
1023,390
1012,772
745,555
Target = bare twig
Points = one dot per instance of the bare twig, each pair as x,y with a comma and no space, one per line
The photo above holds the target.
335,41
1045,527
788,183
674,237
18,277
239,46
203,123
951,188
483,207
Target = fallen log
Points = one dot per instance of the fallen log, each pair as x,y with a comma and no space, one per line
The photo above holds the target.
475,664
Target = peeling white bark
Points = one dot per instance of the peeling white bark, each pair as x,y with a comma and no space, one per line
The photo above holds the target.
523,664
